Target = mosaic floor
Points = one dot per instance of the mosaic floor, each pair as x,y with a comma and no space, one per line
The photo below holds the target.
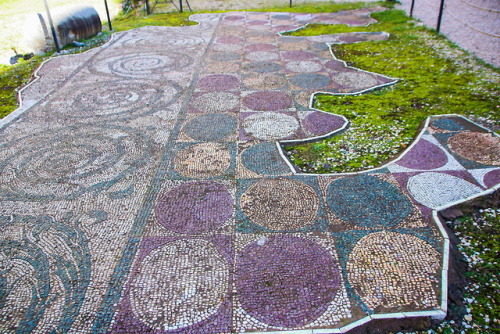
142,189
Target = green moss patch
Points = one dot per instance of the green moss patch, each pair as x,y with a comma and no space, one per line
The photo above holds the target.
435,78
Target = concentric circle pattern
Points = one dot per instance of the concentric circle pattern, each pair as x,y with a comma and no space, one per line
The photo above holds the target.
118,99
280,204
71,161
191,287
142,65
195,207
286,281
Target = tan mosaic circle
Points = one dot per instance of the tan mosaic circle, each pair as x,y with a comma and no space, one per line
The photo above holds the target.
179,284
264,81
203,160
280,204
476,146
222,67
391,270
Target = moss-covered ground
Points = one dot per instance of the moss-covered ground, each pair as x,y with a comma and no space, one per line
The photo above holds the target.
435,78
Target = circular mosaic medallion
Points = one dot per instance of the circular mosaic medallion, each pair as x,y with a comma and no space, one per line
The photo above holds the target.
221,67
261,47
368,201
190,288
203,160
214,102
117,99
65,163
298,55
267,101
280,204
137,39
264,81
262,67
262,56
321,123
264,159
304,66
286,281
142,65
219,82
492,178
270,126
437,189
355,80
195,207
230,40
211,127
225,56
394,270
424,155
477,146
310,80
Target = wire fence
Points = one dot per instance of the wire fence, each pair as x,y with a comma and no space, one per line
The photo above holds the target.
464,13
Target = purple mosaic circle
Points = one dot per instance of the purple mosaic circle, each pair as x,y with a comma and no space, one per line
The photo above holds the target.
234,18
492,178
219,82
195,207
335,65
424,155
320,123
286,281
267,101
298,55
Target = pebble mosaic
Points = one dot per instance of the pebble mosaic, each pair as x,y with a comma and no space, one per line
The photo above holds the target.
144,189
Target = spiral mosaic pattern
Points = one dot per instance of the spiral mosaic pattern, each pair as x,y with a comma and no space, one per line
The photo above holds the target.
71,161
117,99
194,277
142,65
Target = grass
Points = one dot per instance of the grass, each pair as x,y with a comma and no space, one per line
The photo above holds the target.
479,243
435,78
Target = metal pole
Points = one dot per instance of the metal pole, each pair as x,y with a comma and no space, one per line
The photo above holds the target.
107,13
290,3
148,10
180,6
440,17
54,36
411,8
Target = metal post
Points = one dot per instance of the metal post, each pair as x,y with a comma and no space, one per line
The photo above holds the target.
411,8
107,13
180,6
148,10
54,36
440,17
290,3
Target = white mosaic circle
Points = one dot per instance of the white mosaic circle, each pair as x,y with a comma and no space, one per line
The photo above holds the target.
270,126
355,79
179,284
436,189
305,66
262,56
216,102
